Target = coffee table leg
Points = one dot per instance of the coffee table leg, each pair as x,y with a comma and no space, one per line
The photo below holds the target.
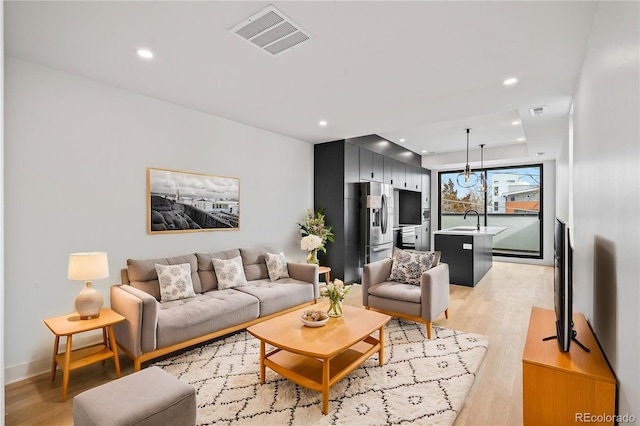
325,386
381,351
262,366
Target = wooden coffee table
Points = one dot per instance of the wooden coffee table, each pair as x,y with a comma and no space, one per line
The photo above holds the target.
316,358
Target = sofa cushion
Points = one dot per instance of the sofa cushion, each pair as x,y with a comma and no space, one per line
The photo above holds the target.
230,273
142,273
408,266
175,282
275,296
276,266
396,291
253,260
208,279
185,319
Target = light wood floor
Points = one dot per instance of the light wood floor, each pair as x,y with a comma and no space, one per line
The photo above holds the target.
499,306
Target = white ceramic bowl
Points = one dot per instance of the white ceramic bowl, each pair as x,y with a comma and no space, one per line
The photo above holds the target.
315,323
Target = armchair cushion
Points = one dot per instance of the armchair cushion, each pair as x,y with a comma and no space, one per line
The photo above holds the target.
408,266
396,291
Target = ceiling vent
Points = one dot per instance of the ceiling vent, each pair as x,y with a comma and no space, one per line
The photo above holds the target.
271,31
535,111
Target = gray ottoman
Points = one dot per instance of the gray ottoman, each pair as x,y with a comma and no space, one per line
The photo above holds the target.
148,397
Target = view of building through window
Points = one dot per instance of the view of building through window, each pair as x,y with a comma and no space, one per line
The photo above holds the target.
512,199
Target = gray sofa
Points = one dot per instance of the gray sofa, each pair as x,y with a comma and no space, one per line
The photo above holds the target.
153,328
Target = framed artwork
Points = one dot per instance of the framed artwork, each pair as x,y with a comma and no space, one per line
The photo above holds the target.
191,202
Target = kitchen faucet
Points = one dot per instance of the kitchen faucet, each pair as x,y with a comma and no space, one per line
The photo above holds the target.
477,215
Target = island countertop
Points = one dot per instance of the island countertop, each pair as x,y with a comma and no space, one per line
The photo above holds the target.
472,230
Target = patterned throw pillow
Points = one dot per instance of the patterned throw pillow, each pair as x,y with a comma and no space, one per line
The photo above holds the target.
277,266
230,272
408,266
175,282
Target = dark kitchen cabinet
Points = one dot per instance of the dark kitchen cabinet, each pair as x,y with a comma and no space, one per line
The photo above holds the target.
387,172
336,169
339,167
399,175
468,256
426,189
371,166
414,178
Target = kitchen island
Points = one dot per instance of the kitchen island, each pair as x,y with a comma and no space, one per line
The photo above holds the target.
468,251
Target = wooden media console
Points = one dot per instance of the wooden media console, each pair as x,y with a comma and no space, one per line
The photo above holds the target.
563,388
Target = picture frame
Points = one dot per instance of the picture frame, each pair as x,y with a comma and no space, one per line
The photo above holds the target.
179,202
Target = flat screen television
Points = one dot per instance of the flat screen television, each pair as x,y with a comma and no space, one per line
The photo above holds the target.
563,288
563,285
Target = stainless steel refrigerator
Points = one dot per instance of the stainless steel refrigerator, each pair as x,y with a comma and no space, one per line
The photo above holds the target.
376,221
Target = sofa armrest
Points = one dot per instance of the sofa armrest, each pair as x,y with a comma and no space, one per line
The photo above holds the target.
434,285
305,272
137,333
374,273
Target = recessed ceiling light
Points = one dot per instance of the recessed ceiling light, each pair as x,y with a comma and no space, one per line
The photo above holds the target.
402,139
145,53
322,123
510,81
520,139
515,123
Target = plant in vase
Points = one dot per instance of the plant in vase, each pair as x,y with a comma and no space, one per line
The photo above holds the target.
313,225
336,291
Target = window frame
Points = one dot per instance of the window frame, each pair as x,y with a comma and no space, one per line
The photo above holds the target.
539,166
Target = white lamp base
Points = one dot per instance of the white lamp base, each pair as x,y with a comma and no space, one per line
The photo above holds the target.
88,302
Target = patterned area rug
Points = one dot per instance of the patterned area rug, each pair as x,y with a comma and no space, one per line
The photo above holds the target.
421,382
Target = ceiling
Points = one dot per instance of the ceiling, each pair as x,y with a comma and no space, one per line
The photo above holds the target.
421,71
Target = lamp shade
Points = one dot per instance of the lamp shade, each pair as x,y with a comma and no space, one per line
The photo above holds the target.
88,266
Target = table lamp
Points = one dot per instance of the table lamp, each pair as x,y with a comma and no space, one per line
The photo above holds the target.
86,267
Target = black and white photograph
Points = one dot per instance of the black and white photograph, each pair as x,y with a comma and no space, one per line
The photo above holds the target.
191,202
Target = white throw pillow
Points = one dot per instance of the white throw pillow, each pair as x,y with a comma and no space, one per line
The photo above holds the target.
277,266
408,266
230,272
175,282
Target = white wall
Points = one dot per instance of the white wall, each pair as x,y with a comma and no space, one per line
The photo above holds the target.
2,211
76,153
606,193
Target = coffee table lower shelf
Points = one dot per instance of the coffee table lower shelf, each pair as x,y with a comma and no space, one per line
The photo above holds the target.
316,373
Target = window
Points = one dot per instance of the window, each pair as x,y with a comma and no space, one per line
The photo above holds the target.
515,203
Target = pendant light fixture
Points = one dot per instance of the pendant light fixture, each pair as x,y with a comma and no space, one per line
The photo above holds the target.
483,173
467,179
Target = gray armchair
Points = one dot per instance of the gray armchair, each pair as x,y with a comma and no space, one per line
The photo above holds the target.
421,303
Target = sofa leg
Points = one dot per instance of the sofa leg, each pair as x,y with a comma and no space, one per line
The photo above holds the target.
367,308
429,330
136,365
446,313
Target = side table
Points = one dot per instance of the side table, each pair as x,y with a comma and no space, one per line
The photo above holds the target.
326,271
68,325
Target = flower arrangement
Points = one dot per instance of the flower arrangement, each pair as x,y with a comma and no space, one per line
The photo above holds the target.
336,291
310,242
313,224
